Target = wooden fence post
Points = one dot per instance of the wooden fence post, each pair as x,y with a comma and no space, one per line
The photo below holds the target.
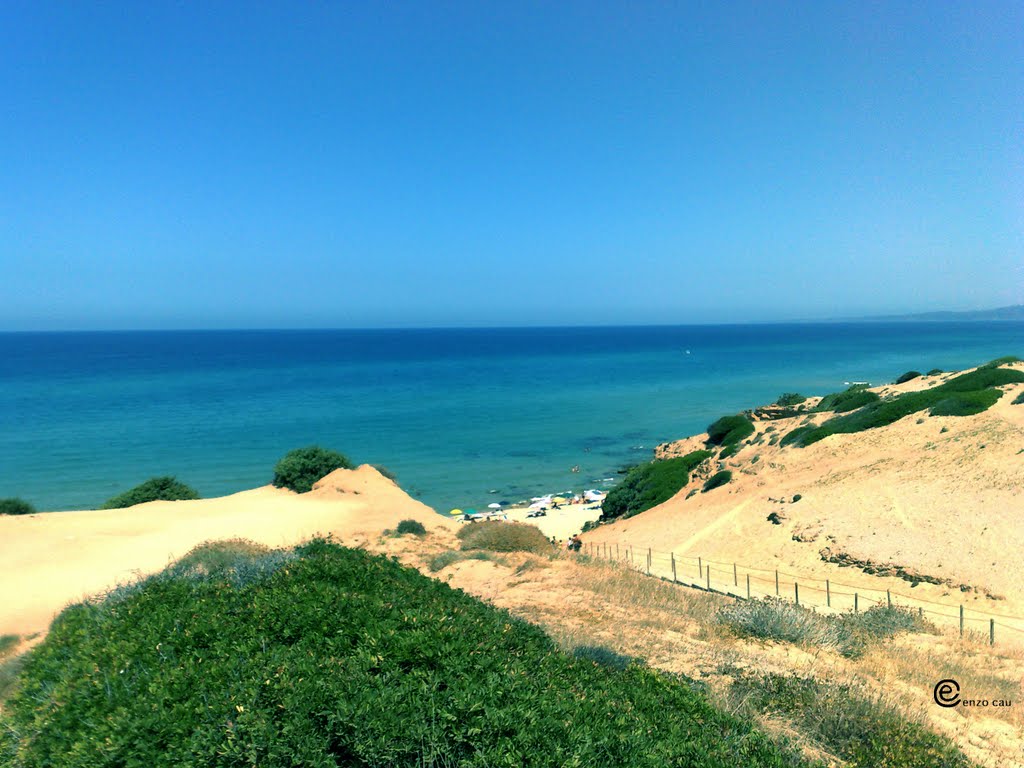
673,567
776,583
828,594
709,578
961,620
700,567
648,561
888,598
735,578
991,631
748,586
855,607
796,592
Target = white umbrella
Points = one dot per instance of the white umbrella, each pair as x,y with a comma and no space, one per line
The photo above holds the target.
494,506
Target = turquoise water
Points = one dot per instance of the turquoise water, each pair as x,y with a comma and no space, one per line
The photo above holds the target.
463,417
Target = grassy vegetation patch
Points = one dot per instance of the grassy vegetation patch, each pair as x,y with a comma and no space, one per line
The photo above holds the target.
648,485
504,537
964,395
298,470
850,634
717,480
155,489
848,721
729,430
342,658
847,400
16,507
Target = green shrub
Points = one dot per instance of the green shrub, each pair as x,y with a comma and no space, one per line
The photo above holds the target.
444,559
729,430
1001,361
301,468
796,497
848,720
908,376
729,451
966,394
966,403
790,398
716,480
414,527
155,489
847,400
504,537
648,485
1019,399
402,670
934,372
16,507
775,619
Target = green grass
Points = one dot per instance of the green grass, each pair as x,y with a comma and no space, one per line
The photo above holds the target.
729,430
964,395
342,658
155,489
648,485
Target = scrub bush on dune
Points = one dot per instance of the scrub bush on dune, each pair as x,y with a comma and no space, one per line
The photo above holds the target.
16,507
298,470
155,489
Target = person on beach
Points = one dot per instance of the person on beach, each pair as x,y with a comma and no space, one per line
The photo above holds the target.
574,544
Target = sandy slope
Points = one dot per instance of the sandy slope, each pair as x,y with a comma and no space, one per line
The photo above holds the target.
50,560
945,504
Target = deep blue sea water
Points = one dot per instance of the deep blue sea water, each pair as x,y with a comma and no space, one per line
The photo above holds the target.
456,414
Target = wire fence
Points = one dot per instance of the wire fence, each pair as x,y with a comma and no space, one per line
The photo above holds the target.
747,582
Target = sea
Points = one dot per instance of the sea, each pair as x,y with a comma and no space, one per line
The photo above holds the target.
463,417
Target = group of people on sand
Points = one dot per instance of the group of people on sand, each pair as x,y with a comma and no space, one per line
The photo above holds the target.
572,544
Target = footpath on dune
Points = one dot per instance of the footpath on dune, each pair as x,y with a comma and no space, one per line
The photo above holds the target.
50,560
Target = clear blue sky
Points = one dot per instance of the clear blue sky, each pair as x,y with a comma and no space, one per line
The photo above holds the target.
345,164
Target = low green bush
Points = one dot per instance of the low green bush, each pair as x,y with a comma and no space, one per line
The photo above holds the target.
790,398
402,671
796,497
16,507
414,527
716,480
155,489
934,372
1019,399
497,536
847,400
648,485
729,430
848,720
298,470
963,395
775,619
729,451
908,376
966,403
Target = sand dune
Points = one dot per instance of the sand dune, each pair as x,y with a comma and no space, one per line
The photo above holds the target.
50,560
940,497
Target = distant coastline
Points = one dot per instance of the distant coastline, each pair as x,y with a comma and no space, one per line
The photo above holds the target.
1014,313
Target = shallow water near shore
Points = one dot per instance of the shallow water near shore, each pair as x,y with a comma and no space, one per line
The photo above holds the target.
463,417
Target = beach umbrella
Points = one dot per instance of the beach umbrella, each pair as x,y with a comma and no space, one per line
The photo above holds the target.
455,512
494,506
